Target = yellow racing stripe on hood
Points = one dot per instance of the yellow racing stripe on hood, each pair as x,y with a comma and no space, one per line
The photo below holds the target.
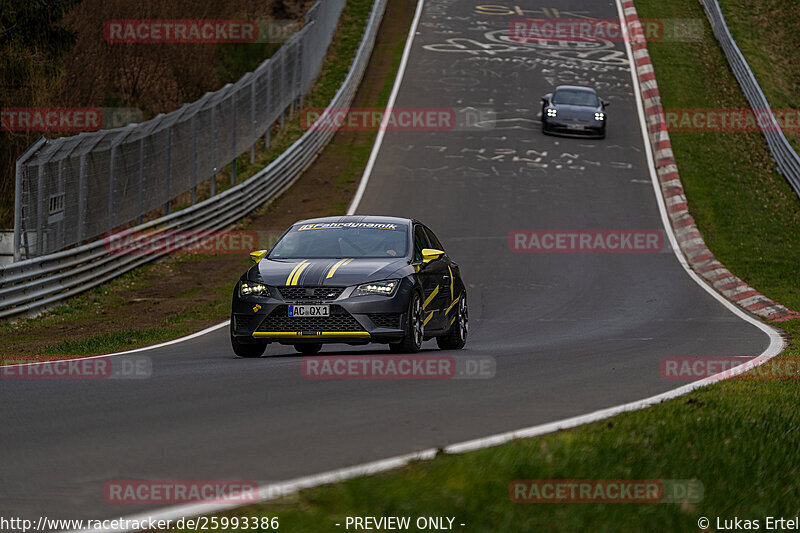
291,274
335,267
300,270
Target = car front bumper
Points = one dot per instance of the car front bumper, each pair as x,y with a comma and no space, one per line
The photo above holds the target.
352,320
574,129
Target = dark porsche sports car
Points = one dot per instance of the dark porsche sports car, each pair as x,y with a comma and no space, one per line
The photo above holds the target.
574,111
354,280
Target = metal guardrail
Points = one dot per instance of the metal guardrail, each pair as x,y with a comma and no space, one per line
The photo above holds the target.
74,189
782,152
33,284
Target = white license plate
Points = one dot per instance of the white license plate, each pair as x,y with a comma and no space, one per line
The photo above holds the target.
309,310
576,127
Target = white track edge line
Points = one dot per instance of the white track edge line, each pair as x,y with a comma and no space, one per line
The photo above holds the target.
135,350
268,492
398,80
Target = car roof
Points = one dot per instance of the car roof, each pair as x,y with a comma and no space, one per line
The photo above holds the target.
359,218
576,88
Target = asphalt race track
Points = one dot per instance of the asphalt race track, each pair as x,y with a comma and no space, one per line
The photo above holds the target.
570,332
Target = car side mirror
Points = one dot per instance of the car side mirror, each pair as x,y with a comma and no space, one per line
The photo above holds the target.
606,103
546,98
431,254
258,255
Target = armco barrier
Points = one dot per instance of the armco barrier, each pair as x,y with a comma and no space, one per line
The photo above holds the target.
33,284
782,152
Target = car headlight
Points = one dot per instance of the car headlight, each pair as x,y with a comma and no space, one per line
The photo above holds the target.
551,112
599,116
256,289
384,288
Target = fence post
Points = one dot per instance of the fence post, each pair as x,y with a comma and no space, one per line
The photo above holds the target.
169,171
140,218
61,194
111,187
295,77
81,197
40,209
267,106
301,67
18,197
253,120
283,87
214,151
18,213
233,137
194,161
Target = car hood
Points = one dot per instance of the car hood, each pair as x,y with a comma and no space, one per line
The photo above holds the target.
575,112
324,272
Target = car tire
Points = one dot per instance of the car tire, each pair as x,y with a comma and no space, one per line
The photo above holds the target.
255,349
412,341
311,348
241,349
456,338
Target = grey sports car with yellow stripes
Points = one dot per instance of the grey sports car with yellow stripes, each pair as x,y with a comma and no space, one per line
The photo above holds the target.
353,280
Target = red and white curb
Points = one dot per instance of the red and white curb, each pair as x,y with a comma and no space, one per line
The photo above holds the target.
688,236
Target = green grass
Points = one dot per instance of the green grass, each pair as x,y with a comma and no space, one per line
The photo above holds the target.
109,342
740,438
765,30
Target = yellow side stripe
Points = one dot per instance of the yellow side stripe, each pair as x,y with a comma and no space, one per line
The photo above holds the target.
452,282
299,271
301,263
317,334
427,318
452,320
335,267
452,304
429,298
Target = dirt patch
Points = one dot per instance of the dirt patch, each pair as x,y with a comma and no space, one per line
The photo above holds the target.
181,294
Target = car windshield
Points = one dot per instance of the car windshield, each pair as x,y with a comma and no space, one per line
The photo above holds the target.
575,97
331,240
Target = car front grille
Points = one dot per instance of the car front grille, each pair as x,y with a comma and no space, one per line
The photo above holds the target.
310,293
385,320
339,320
